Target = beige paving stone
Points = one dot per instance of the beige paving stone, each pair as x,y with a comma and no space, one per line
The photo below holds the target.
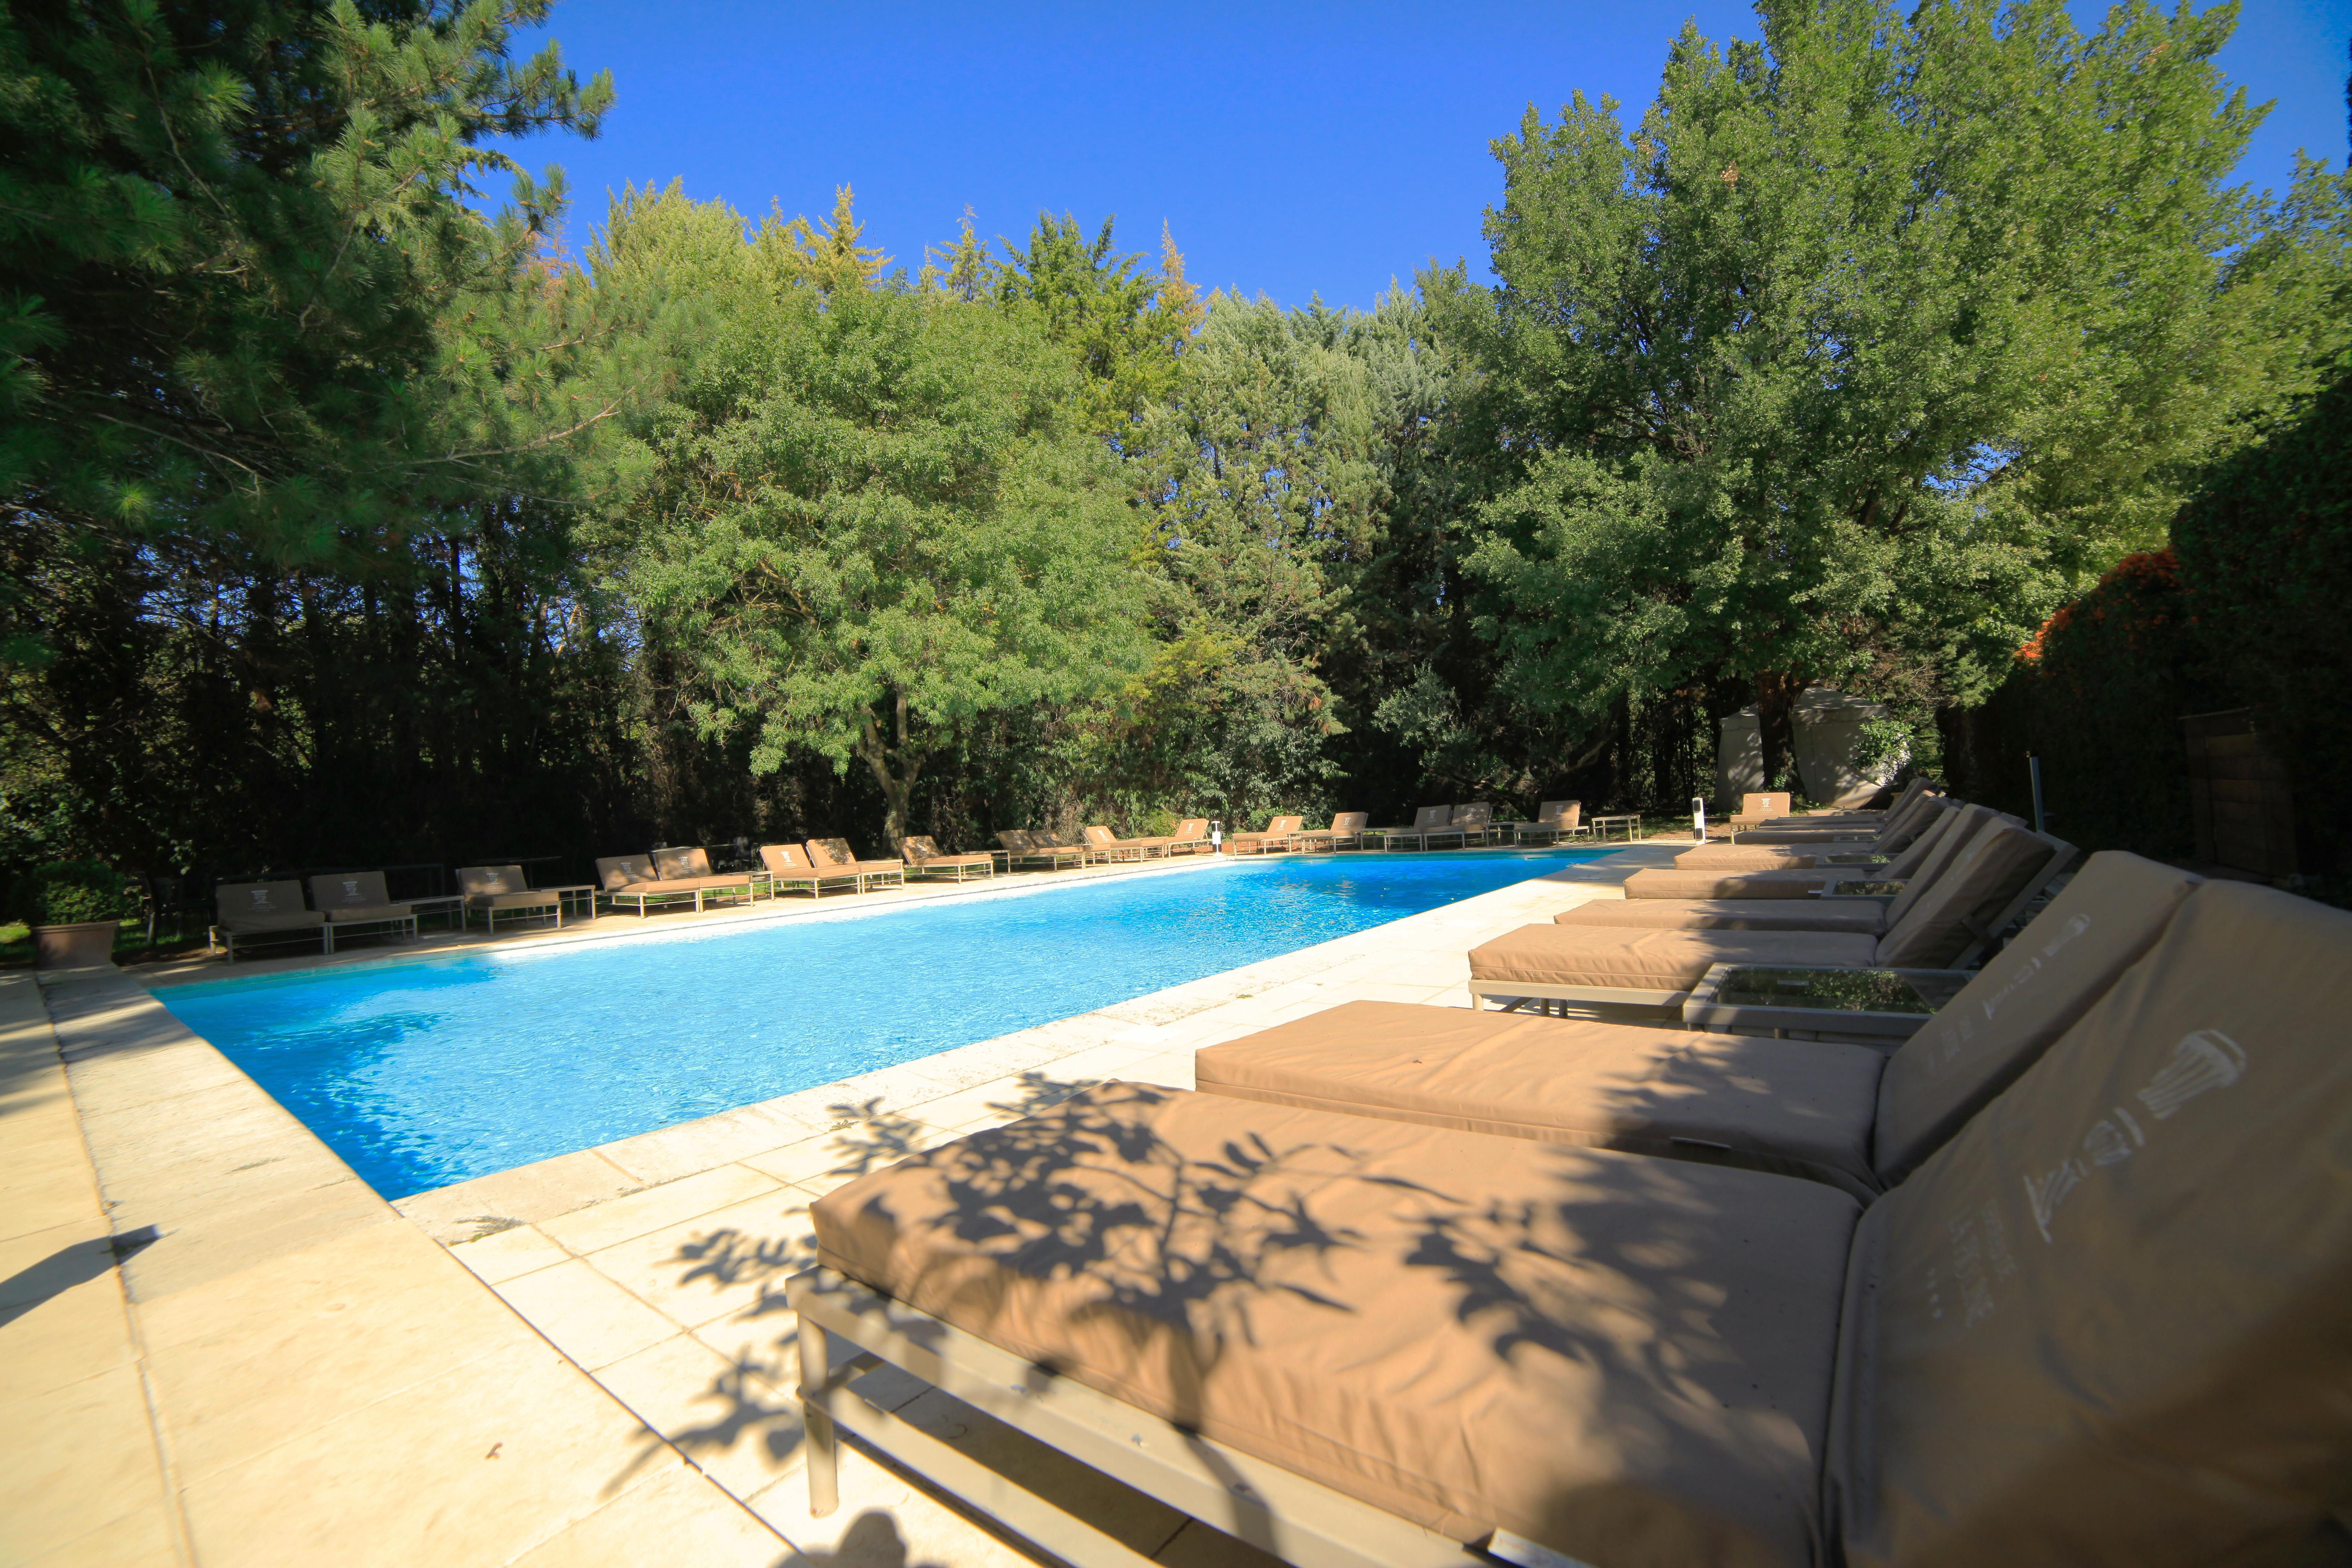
1170,1070
732,1262
668,1152
883,1522
727,1419
677,1518
528,1194
79,1457
476,1466
587,1230
142,1540
1002,1100
70,1326
585,1315
199,1246
503,1255
808,1157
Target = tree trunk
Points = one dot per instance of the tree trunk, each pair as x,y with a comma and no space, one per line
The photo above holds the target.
895,770
1777,692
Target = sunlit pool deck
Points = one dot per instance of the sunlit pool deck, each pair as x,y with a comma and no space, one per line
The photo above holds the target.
222,1346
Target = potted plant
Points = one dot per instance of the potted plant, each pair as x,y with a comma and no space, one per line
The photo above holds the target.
74,908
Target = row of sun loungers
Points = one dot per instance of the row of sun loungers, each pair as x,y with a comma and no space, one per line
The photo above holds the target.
356,903
2059,1278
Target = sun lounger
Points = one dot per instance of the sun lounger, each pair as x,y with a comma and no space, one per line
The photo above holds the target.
1346,832
1275,837
1556,820
1954,918
834,854
1826,829
356,903
1828,909
683,867
494,890
1870,836
925,859
1849,1114
1191,837
1475,820
788,866
634,880
1776,874
1026,847
1107,846
264,913
1432,825
2104,1324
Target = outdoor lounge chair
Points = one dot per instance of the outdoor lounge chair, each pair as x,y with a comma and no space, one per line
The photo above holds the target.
924,859
633,879
1346,832
1556,820
1776,873
1430,822
1475,820
1275,836
1955,918
1876,837
681,866
1852,1115
1028,846
2103,1324
1191,837
263,913
834,854
356,903
788,866
1105,845
494,890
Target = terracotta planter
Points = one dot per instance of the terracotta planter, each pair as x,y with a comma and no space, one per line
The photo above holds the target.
75,946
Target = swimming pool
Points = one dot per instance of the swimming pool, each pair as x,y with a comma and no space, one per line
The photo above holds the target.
420,1072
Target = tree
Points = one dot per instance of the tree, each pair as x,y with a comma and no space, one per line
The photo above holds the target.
1871,337
243,289
872,520
828,256
1127,324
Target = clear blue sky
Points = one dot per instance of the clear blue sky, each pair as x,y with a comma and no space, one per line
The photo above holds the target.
1294,149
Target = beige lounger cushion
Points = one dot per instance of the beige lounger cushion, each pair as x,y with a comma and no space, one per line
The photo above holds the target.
1798,1107
263,907
356,896
2025,997
472,880
1862,917
2107,1324
1623,1359
682,865
513,901
1963,905
1654,960
626,873
1659,882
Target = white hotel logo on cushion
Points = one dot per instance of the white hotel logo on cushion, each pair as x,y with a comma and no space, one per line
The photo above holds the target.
351,886
2208,1059
1956,1032
260,897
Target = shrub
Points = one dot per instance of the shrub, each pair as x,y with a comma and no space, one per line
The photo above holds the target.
67,892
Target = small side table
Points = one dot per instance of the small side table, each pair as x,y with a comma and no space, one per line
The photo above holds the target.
578,892
1881,1007
449,906
1631,821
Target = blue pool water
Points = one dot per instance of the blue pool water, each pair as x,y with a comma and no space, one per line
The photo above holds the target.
420,1072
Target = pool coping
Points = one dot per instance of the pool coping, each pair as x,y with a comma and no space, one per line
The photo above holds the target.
316,1372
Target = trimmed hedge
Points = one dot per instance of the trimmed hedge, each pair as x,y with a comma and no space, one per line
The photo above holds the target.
2251,607
68,892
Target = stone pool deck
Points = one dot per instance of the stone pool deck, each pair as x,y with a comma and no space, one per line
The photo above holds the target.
217,1345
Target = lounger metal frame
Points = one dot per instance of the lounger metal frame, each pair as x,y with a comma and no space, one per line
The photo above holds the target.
1982,938
1276,1510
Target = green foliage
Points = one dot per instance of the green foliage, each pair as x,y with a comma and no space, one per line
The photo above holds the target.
1820,374
872,520
243,294
1126,324
68,892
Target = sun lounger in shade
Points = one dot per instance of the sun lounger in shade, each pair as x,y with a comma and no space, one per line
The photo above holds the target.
1849,1114
1475,821
2103,1324
1955,918
1275,836
1829,829
834,854
1346,832
925,859
1771,874
356,903
1556,820
632,880
680,867
788,866
1432,825
494,890
1759,848
1026,847
260,913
